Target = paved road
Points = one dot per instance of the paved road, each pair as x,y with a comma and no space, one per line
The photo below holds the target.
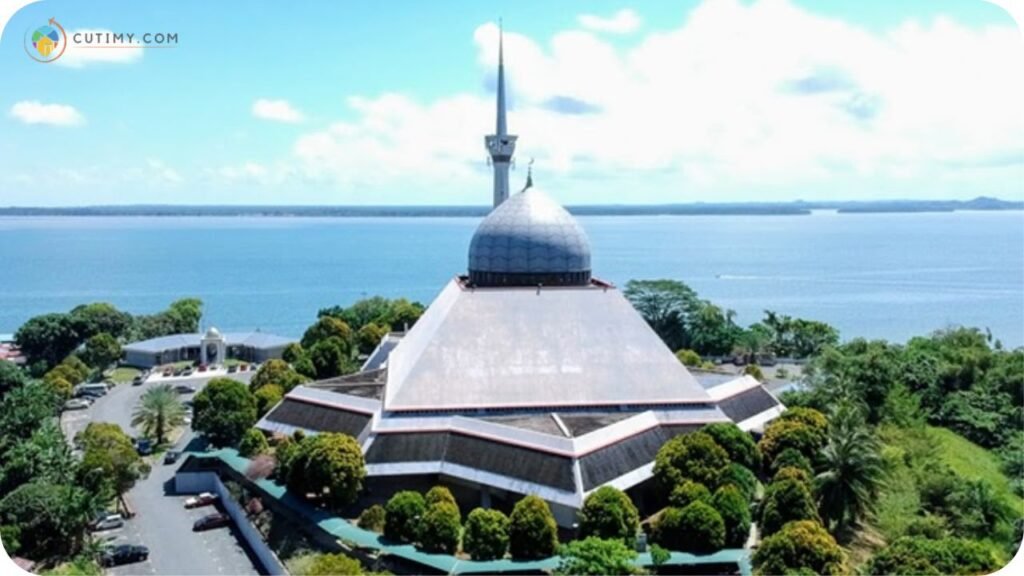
162,523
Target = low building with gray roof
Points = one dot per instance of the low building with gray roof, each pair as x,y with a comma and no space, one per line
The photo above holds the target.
211,347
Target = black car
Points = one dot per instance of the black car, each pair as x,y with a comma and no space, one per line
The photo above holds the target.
171,456
124,554
184,389
211,521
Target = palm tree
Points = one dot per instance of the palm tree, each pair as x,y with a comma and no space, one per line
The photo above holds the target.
851,470
158,411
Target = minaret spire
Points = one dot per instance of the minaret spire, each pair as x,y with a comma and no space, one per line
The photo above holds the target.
501,145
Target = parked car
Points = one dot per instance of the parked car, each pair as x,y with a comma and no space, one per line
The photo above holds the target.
106,521
201,499
138,380
184,389
171,456
203,367
187,372
233,368
77,404
97,388
211,521
168,372
124,554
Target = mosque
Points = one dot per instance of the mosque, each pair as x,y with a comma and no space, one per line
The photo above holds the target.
526,375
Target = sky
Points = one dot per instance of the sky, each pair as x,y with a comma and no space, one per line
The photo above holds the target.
617,102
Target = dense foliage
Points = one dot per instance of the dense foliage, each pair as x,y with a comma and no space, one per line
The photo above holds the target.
609,514
402,516
328,466
532,531
253,443
486,534
333,565
739,445
801,547
597,556
687,492
933,557
224,410
690,457
439,527
372,518
109,460
698,529
276,373
735,512
786,501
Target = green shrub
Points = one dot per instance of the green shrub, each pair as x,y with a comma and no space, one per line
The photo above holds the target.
802,547
609,513
596,556
785,502
698,529
687,493
790,458
329,465
439,527
735,512
486,534
694,457
333,565
402,516
372,518
532,532
253,443
439,494
925,556
742,478
688,357
792,473
755,371
738,444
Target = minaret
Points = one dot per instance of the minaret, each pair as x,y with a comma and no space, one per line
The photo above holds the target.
501,145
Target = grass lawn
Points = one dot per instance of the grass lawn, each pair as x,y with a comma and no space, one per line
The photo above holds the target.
972,461
123,375
234,362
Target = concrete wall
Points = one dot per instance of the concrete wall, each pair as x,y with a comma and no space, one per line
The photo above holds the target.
194,482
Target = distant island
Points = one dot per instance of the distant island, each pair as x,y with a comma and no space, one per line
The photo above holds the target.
794,208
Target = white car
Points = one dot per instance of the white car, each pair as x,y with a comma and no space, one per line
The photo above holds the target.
201,499
77,404
107,522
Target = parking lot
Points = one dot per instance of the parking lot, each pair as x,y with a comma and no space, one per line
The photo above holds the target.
161,521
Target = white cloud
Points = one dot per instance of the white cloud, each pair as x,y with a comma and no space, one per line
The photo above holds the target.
80,55
34,112
622,22
760,100
161,172
276,110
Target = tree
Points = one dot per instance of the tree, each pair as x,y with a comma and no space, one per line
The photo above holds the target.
330,358
792,473
486,534
694,457
369,336
791,458
333,565
159,410
532,533
48,338
687,493
329,465
742,478
698,529
277,373
439,494
46,520
185,314
267,397
24,409
402,516
666,306
608,513
11,377
293,352
43,457
713,330
798,338
109,459
89,320
659,556
735,512
755,371
784,502
688,357
101,350
911,555
328,327
253,443
224,410
739,445
60,387
372,518
802,546
781,434
439,527
598,556
851,471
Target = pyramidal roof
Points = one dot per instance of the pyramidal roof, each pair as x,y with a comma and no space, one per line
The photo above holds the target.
534,348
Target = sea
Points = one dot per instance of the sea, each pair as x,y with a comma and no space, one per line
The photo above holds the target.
891,276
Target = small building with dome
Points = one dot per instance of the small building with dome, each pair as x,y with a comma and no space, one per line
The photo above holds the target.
525,375
211,347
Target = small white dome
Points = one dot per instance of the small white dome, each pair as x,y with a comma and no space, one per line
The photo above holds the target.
213,333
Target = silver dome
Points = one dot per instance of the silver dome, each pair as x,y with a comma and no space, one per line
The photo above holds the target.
529,239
